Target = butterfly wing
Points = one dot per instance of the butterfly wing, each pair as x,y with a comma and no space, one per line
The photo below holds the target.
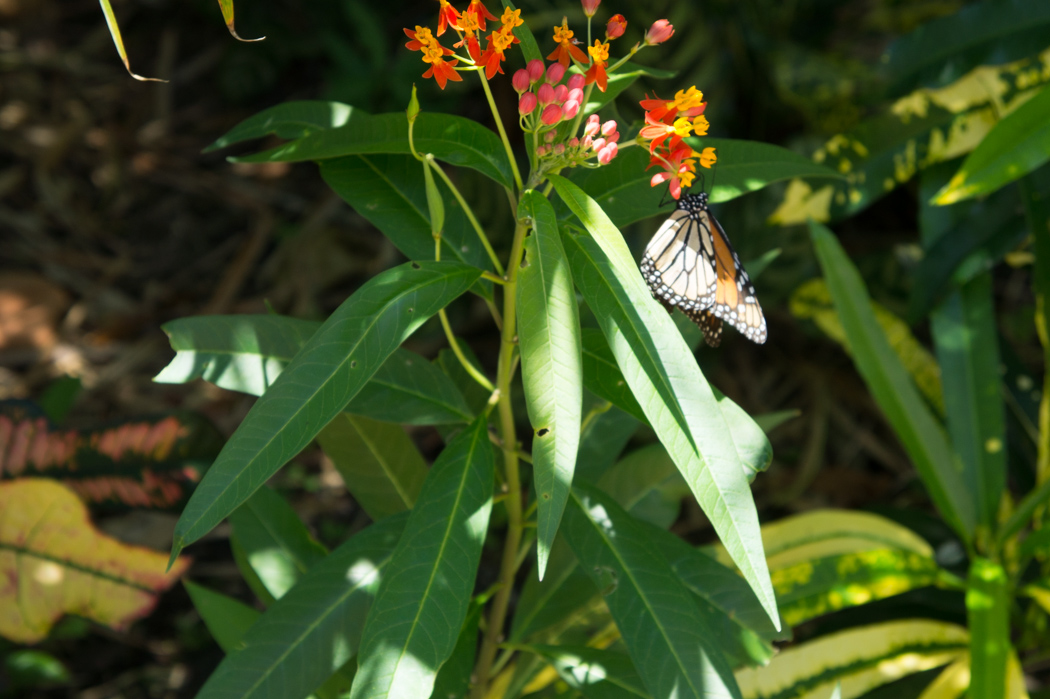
735,300
690,264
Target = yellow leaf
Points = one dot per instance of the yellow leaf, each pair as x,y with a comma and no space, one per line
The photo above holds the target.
54,562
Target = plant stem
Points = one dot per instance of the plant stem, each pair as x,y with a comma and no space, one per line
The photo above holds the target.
509,437
469,212
454,344
502,131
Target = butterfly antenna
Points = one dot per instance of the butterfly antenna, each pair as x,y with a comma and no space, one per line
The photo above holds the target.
663,199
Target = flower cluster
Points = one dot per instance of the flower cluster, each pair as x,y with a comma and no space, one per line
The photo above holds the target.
471,24
667,123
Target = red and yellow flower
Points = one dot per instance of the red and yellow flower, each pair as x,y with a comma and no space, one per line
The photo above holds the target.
567,48
480,13
667,123
499,42
422,39
599,59
469,24
447,15
679,170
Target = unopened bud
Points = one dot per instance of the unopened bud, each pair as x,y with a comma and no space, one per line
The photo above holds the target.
577,81
527,103
570,109
551,115
559,148
590,6
573,142
520,81
661,31
555,73
592,127
616,27
608,127
545,94
576,94
561,93
534,69
549,137
607,153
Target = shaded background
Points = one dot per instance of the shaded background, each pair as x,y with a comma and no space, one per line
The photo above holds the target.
113,222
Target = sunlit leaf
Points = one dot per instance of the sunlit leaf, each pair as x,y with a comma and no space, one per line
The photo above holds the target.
289,120
55,562
988,602
319,383
421,604
600,674
551,371
118,41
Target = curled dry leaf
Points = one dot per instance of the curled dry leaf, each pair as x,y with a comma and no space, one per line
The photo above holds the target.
53,562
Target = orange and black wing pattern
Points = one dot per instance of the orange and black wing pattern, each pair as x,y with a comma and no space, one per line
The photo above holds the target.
689,264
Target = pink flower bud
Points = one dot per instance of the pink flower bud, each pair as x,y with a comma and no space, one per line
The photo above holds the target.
608,127
597,144
527,103
545,94
534,69
542,151
586,142
613,137
576,94
520,81
590,6
577,81
591,129
570,109
607,153
573,142
551,114
549,137
555,73
561,93
559,148
661,31
616,27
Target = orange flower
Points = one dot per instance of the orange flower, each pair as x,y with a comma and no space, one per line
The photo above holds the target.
469,25
433,53
708,157
447,15
566,46
480,13
658,108
493,56
659,131
679,170
599,57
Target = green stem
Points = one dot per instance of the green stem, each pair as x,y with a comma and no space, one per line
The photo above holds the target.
509,438
502,131
458,351
468,211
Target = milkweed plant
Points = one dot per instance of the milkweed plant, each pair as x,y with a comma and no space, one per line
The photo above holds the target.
587,586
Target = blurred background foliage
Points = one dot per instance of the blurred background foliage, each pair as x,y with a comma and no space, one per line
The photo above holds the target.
113,223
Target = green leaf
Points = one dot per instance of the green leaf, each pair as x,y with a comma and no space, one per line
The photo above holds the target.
319,383
227,619
453,139
603,377
603,439
861,658
549,339
595,673
313,630
623,189
919,432
274,541
435,204
379,463
289,120
966,339
944,49
422,602
647,484
671,646
1017,145
623,78
529,48
247,353
723,599
675,396
27,669
390,192
988,598
453,679
550,602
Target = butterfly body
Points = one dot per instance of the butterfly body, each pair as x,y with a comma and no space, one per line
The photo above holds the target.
689,264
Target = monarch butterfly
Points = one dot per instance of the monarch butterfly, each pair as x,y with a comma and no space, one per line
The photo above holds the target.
690,264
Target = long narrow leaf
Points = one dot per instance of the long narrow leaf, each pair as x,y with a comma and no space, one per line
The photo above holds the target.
551,371
322,379
988,598
314,629
671,646
421,604
668,384
888,381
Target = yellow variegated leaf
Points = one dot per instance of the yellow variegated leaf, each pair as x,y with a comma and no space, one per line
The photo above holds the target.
812,300
951,683
928,126
118,41
54,562
860,659
1015,687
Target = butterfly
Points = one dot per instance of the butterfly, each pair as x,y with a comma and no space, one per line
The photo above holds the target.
690,265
